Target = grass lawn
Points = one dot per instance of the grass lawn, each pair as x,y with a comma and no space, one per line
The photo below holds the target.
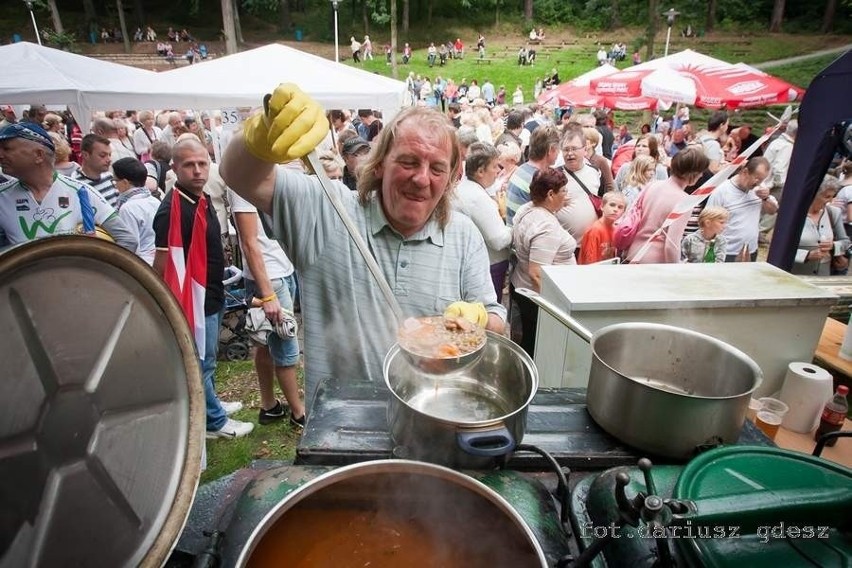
277,441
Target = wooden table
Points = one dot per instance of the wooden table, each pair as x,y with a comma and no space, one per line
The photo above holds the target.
828,351
841,452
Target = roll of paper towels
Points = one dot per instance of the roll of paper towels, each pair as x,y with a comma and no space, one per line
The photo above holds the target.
806,390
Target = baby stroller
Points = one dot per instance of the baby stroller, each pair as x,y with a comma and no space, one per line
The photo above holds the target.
234,342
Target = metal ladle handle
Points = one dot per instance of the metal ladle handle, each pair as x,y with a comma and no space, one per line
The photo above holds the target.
556,312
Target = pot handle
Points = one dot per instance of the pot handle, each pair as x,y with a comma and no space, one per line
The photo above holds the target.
559,314
493,443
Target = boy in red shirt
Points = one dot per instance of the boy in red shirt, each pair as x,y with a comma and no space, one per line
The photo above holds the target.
597,240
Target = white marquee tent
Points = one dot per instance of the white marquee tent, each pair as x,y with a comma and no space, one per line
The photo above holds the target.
31,74
243,78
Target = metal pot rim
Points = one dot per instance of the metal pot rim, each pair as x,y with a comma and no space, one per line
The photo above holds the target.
757,373
396,350
385,466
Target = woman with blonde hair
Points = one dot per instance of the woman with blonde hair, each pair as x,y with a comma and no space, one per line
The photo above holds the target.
642,171
646,145
53,123
62,152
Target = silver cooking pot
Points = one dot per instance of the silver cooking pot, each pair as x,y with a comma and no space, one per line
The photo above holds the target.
463,419
664,389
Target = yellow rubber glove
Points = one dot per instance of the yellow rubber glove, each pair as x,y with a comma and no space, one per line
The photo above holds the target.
291,125
471,311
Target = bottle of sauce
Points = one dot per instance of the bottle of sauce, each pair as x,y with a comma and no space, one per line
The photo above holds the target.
833,414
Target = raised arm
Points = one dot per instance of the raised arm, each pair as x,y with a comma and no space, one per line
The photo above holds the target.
290,126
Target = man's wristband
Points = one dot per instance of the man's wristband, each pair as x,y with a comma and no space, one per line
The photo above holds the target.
268,298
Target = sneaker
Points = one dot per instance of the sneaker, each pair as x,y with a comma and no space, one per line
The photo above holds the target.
231,429
269,416
231,407
297,422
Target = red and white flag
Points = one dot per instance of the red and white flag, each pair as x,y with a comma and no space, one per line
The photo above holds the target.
186,276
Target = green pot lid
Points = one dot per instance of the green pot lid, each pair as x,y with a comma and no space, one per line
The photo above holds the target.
776,508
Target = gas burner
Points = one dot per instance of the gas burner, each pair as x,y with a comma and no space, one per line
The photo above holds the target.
724,508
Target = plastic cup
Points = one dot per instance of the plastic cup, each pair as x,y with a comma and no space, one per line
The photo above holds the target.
774,405
754,405
770,415
768,422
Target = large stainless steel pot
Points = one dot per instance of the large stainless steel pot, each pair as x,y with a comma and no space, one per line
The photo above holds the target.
462,419
460,521
664,389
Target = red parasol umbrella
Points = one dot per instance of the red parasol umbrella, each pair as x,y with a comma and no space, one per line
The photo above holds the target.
696,79
577,93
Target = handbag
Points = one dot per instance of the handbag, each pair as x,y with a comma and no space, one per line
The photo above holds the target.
595,199
626,228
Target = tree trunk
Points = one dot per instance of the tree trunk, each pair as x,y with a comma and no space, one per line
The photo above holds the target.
406,10
284,19
139,12
828,17
228,26
777,16
238,27
394,39
528,11
710,24
123,24
54,15
497,15
429,13
365,16
91,17
615,19
653,16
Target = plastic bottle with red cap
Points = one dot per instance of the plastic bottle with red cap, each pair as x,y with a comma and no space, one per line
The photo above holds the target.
833,415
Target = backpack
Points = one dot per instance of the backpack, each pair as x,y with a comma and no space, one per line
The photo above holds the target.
625,230
161,168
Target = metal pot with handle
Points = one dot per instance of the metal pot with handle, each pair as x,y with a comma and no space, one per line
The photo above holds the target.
463,419
664,389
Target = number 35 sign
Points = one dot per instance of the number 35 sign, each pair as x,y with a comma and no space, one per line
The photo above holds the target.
233,117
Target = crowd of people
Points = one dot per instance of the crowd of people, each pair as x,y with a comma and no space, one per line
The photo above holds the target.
462,199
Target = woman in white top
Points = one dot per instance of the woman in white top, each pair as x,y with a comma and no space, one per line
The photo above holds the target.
471,198
823,244
539,240
145,136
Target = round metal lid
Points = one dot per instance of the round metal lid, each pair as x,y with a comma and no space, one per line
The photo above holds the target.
101,408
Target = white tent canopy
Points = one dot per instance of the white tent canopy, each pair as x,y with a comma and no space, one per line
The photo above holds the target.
243,78
32,74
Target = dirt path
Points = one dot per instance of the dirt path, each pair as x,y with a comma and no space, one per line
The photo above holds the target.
800,58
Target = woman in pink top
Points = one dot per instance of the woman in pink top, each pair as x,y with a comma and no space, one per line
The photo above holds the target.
660,199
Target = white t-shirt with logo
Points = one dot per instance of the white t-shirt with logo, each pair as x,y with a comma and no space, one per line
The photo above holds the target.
23,219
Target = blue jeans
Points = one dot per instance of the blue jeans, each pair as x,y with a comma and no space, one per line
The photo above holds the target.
216,416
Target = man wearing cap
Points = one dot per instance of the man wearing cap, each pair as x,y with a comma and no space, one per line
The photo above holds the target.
41,202
354,152
430,257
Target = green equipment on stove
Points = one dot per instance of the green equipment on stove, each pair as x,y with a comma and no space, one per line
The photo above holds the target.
733,506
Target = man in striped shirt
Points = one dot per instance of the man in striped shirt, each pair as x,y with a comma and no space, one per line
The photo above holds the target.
96,157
